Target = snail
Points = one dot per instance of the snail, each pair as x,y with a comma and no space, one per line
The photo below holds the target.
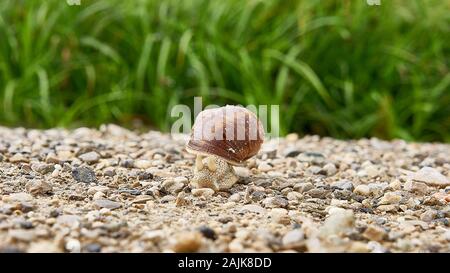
222,138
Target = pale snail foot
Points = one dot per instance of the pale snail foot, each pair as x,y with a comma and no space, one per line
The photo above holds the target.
213,172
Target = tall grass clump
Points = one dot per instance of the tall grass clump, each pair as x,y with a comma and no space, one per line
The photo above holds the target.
338,68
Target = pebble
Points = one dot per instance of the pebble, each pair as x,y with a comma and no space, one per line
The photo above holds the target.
109,171
208,232
280,216
343,185
264,167
68,220
430,176
253,208
22,234
204,192
330,169
275,202
19,197
390,198
18,158
172,186
142,164
338,222
84,175
416,187
39,187
293,195
99,188
428,215
153,235
303,187
362,190
73,246
90,157
374,233
293,239
43,168
372,171
235,197
242,171
187,242
93,248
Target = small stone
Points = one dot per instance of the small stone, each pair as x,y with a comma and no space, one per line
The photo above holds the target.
343,185
20,197
93,248
253,208
43,168
188,242
153,235
330,169
84,175
311,157
374,233
181,179
371,171
275,202
235,197
142,199
291,152
43,247
68,220
388,208
142,164
338,222
390,198
293,239
264,167
314,170
242,171
105,203
362,190
110,171
98,195
22,235
416,187
430,176
303,187
207,232
90,157
293,195
127,163
428,215
181,200
280,216
205,192
52,159
172,186
39,187
55,213
99,188
73,246
395,185
318,193
18,158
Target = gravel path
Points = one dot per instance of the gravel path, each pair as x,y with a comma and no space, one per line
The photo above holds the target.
113,190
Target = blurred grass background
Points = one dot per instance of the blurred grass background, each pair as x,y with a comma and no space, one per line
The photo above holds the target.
338,68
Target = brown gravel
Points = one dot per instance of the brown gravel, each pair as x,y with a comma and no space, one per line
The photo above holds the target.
114,190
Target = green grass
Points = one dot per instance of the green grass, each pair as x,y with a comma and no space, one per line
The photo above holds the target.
338,68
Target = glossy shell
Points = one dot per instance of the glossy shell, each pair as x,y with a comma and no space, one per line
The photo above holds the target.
231,132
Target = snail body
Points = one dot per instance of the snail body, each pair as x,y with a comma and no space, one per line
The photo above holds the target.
221,138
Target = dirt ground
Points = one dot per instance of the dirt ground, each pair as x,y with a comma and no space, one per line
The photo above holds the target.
114,190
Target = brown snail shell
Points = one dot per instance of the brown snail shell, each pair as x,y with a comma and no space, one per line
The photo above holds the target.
233,133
